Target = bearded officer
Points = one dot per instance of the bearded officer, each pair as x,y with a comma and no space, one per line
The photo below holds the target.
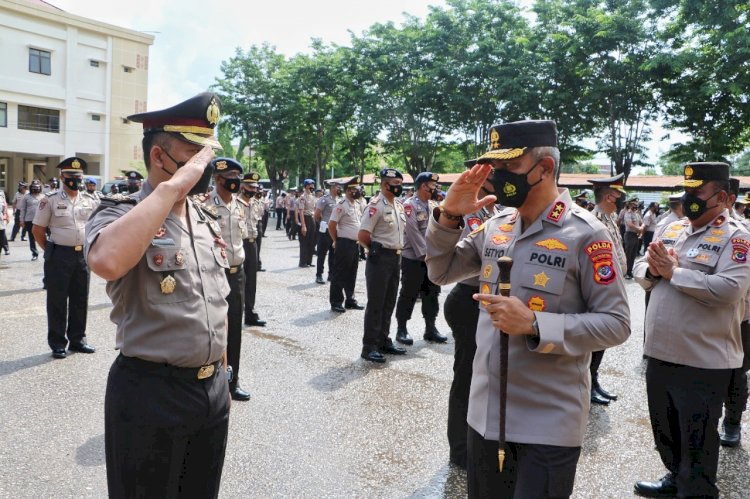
249,188
567,301
65,212
698,278
382,232
167,399
343,226
609,195
323,210
230,215
305,211
414,280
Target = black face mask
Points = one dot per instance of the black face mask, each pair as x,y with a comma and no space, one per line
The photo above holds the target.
619,203
133,188
231,184
72,183
693,206
434,194
258,195
396,190
356,194
248,194
201,187
511,188
36,190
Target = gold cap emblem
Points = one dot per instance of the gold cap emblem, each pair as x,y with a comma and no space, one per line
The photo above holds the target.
212,113
221,165
494,139
76,164
688,171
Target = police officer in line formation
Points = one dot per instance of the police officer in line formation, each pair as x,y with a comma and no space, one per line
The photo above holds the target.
167,399
29,206
281,210
696,270
18,200
382,232
564,282
4,219
305,209
261,215
291,215
633,233
230,215
323,210
249,188
609,194
64,213
343,228
414,280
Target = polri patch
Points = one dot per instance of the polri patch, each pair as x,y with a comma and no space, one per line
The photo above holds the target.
740,248
407,210
604,272
373,211
473,222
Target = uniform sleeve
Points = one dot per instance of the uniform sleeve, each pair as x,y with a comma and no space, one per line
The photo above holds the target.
370,217
337,213
320,204
449,260
604,323
22,207
43,212
412,232
101,219
728,284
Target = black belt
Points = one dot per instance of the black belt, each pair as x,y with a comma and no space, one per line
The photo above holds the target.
389,251
473,289
71,248
195,373
234,270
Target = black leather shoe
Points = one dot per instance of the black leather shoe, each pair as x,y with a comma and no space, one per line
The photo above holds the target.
604,393
255,322
730,434
666,487
240,394
403,337
261,270
338,308
319,279
432,334
598,399
82,348
34,257
373,357
353,305
393,349
59,353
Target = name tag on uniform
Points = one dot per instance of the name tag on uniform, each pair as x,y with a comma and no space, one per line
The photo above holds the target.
163,242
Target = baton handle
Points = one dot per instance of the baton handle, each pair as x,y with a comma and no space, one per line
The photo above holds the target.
505,264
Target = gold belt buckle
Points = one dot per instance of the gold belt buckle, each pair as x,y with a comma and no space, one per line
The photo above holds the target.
398,252
78,248
206,371
233,270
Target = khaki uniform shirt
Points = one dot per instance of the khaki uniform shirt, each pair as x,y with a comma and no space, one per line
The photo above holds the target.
66,217
250,218
472,222
694,318
3,211
348,216
564,271
632,217
610,222
186,327
385,222
30,204
417,216
306,203
231,220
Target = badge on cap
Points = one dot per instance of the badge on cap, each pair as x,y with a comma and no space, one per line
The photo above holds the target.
213,113
76,163
494,139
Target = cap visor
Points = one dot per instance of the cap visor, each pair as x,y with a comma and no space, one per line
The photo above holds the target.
618,188
502,154
201,140
71,170
691,183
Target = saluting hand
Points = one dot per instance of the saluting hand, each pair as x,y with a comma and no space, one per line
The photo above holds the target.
187,176
461,198
508,314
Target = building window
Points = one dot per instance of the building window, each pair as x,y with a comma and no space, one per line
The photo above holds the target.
39,61
39,119
93,63
96,117
3,114
128,69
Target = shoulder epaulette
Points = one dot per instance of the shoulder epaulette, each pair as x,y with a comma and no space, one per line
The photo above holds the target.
209,210
115,199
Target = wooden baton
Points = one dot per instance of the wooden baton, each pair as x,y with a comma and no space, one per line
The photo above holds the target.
504,263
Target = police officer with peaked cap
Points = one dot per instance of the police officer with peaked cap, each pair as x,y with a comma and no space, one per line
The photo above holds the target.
609,195
248,190
698,280
31,202
382,231
18,224
167,399
64,213
305,212
230,215
343,226
323,210
134,181
414,280
567,300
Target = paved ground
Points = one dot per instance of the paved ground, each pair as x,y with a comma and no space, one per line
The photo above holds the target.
321,423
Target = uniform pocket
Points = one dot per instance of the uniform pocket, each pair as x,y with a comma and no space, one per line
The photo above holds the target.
168,280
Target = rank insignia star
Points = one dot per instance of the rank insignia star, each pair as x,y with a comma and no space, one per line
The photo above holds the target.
541,279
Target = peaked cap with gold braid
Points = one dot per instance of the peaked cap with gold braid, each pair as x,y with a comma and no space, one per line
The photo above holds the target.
512,140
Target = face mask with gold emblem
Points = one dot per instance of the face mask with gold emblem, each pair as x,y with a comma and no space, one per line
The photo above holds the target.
511,188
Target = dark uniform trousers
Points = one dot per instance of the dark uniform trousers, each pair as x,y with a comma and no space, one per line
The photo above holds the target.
280,217
414,282
343,270
67,282
736,401
251,278
531,470
684,404
324,248
596,361
461,314
381,276
290,225
17,225
259,241
164,435
307,242
30,235
236,301
264,220
631,244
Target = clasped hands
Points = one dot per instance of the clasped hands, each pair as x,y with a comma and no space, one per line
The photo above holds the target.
661,260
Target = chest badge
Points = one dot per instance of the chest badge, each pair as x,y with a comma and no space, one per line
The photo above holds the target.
158,260
692,252
541,279
487,272
506,228
536,304
179,259
161,232
499,239
485,290
168,284
552,244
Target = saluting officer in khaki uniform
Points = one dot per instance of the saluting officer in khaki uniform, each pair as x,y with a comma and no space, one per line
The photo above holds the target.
609,193
249,188
567,300
382,231
167,401
697,272
230,215
64,213
343,226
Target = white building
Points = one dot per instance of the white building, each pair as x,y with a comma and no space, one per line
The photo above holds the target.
66,85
